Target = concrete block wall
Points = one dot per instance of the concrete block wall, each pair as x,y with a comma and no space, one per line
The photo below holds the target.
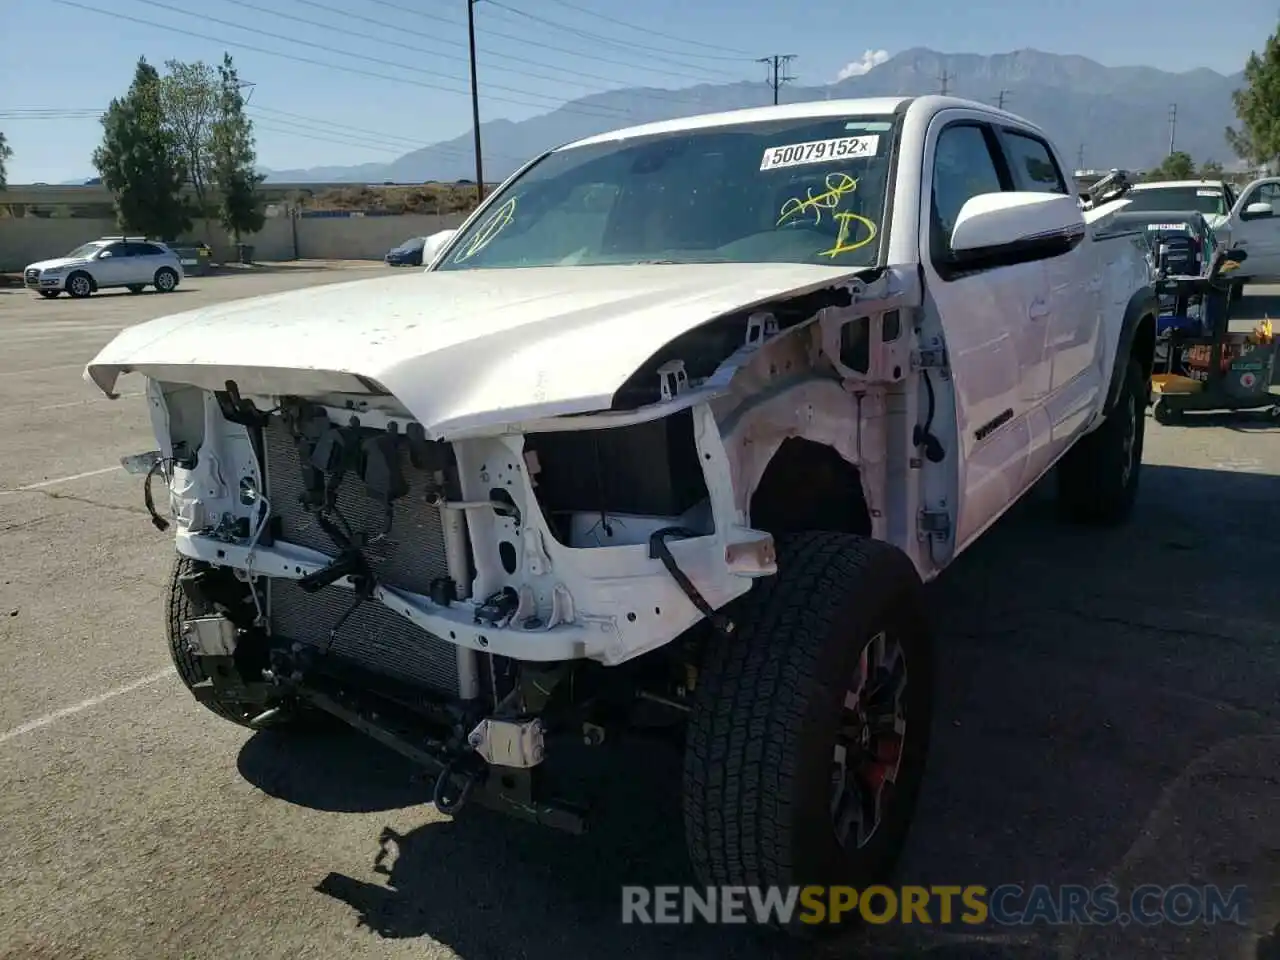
29,239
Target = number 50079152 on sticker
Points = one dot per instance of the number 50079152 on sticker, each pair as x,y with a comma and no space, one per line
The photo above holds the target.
816,151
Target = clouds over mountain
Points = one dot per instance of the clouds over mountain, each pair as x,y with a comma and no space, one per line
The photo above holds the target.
856,68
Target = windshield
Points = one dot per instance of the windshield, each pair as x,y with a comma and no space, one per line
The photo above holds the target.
85,250
411,243
1204,199
795,191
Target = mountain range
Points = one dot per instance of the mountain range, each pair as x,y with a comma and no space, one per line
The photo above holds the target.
1100,116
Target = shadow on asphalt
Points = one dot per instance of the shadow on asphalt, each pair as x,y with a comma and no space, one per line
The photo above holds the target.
1080,674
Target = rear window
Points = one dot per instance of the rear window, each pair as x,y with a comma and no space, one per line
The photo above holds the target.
1209,200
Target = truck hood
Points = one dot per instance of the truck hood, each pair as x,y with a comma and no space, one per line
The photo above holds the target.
459,349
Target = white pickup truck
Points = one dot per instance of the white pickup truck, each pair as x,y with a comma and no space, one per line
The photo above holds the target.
670,433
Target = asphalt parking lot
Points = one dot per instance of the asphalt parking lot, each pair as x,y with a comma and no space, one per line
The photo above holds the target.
1109,712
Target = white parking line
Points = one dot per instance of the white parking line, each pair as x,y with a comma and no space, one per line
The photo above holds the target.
83,705
57,480
33,371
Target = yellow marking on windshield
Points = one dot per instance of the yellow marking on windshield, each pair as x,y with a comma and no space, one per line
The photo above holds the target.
848,222
493,225
839,185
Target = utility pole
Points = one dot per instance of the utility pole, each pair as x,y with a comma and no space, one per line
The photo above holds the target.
1173,125
1000,99
777,64
1080,158
943,81
475,99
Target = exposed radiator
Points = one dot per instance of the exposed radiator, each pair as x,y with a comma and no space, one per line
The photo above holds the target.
409,557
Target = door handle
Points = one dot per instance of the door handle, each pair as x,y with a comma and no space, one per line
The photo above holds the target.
1039,308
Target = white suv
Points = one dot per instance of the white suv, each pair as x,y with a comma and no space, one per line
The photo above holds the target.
131,262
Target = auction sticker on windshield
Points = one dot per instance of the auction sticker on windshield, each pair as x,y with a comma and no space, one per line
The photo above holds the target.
817,151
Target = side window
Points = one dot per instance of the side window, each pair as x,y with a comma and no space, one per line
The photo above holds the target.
117,250
1032,164
1266,193
148,250
963,167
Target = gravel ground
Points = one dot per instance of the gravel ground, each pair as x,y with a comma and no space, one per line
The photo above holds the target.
1108,710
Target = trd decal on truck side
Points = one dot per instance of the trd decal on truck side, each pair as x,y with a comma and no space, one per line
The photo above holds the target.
991,426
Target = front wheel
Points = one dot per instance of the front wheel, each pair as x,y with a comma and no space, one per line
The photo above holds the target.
810,725
79,285
1098,477
166,280
180,607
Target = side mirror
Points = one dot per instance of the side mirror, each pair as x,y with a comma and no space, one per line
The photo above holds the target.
1236,255
104,254
1257,211
1001,229
434,244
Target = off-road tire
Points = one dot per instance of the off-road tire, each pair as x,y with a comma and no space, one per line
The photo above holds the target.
79,285
767,707
179,607
1094,486
136,288
166,280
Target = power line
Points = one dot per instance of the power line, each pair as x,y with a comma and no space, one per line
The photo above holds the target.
346,32
524,41
656,33
355,56
777,63
236,44
656,52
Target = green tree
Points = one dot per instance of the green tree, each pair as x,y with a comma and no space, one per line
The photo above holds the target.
189,100
140,162
1211,170
6,154
234,158
1176,166
1257,104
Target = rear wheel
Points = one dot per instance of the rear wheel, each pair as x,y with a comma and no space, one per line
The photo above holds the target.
166,279
810,725
1098,477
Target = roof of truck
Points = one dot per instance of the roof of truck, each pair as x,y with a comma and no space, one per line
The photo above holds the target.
874,106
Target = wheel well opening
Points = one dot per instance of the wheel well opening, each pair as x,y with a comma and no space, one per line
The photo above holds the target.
1144,345
809,486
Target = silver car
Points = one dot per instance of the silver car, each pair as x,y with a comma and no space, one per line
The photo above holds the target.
130,262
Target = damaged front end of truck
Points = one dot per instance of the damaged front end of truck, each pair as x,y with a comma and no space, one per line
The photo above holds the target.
471,589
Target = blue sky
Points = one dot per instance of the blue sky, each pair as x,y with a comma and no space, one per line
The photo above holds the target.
533,54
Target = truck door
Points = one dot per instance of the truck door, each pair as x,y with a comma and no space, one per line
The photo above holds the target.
1073,322
993,321
1255,228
